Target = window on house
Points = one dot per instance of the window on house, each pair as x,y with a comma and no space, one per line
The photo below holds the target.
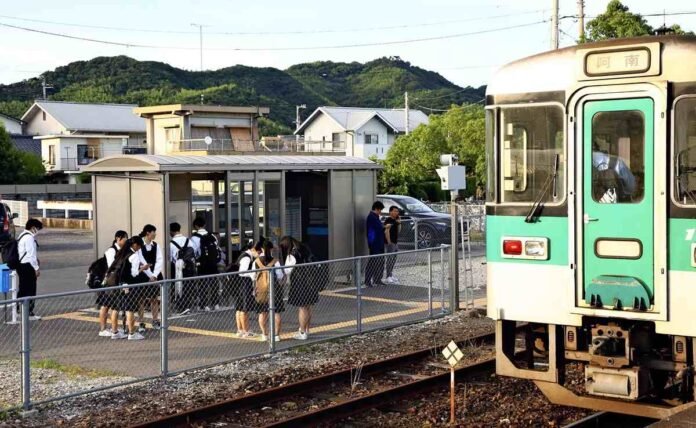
172,134
336,137
371,139
51,155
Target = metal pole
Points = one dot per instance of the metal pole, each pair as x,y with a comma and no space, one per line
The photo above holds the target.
406,112
415,231
554,24
164,332
454,259
430,283
442,279
358,292
26,356
452,400
271,308
581,19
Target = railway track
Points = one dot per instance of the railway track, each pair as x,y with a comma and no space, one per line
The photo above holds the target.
611,420
336,408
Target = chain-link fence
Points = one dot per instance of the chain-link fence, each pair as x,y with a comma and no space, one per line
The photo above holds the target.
158,329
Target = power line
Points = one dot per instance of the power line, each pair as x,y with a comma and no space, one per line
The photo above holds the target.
465,106
261,33
291,48
441,96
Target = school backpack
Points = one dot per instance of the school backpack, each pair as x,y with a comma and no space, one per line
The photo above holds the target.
262,288
114,275
210,252
96,274
10,252
606,179
186,255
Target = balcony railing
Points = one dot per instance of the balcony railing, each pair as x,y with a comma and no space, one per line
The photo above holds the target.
75,163
271,145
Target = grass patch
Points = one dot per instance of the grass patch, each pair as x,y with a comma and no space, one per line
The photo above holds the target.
70,370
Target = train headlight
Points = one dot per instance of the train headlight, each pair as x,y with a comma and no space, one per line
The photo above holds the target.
527,248
535,248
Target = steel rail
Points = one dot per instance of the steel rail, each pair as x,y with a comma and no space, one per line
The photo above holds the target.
189,417
611,420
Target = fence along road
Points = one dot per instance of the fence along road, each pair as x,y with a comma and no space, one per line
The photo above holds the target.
67,335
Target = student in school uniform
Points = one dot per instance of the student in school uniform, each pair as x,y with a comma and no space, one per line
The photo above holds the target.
104,298
243,294
132,272
209,288
151,255
182,297
28,270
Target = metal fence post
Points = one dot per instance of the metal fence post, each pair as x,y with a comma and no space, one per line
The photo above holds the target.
358,293
442,279
430,283
26,356
164,326
271,308
415,237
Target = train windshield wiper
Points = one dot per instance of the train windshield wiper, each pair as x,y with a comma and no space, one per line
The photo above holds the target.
550,182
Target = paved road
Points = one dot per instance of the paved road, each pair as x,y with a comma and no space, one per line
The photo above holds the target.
65,255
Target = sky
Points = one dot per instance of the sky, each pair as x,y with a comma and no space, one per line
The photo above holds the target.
486,33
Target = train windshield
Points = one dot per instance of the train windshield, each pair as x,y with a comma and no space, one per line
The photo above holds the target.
685,151
530,139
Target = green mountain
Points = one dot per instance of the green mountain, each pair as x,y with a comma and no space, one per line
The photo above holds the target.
120,79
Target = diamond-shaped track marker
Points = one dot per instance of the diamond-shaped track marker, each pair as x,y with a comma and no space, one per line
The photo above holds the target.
452,353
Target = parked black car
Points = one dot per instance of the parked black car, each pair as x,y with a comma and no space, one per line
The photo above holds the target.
7,227
433,227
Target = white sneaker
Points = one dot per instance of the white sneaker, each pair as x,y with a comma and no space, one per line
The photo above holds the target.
105,333
34,318
207,309
389,280
119,335
263,338
249,334
217,307
300,336
136,336
395,279
277,338
240,334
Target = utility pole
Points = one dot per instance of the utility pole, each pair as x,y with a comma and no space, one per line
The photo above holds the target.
45,86
581,19
200,34
554,24
406,111
297,115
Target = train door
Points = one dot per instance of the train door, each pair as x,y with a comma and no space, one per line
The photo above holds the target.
618,204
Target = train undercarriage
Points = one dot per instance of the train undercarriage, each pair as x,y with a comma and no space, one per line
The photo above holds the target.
626,366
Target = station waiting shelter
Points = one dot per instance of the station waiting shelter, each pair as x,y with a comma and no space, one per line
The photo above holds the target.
319,200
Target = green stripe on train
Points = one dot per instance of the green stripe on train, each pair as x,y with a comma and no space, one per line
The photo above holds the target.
553,228
681,236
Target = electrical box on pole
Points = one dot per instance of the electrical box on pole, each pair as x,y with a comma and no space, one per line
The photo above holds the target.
453,178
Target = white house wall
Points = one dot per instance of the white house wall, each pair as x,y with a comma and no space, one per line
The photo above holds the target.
373,126
322,129
37,126
160,135
11,126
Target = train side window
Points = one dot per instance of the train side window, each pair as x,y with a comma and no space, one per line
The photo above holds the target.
531,137
618,156
685,151
490,156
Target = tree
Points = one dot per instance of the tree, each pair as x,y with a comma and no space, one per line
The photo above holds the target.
18,167
413,158
617,22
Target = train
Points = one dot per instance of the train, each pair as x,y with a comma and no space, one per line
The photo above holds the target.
591,223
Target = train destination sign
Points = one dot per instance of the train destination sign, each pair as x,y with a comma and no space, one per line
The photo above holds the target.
637,60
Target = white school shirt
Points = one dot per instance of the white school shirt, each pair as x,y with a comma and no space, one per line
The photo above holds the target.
180,240
245,267
110,255
290,261
26,247
159,261
135,260
196,241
